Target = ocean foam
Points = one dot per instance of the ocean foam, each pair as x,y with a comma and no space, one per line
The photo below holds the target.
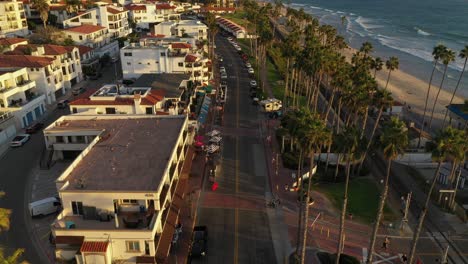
422,32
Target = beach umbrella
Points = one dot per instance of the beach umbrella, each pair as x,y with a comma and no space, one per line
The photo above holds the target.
199,138
199,144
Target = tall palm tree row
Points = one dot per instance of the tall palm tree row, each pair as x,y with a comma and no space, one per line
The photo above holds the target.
394,140
391,65
464,55
449,143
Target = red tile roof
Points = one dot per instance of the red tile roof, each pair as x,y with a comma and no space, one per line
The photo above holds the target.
191,58
49,49
83,49
180,45
57,7
153,36
153,97
134,7
85,29
164,6
24,61
94,246
11,41
113,10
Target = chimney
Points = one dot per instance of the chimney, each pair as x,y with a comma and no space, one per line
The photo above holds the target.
137,101
40,50
116,220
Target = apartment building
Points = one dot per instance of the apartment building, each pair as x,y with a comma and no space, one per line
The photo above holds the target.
87,56
68,56
12,19
20,97
45,71
162,94
175,57
122,194
113,18
190,28
235,29
146,14
95,37
9,44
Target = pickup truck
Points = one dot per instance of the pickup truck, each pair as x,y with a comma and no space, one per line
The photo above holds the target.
199,241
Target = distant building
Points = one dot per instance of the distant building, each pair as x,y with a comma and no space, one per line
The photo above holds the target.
123,192
12,19
95,37
20,97
158,56
218,10
231,27
458,115
111,17
190,28
146,14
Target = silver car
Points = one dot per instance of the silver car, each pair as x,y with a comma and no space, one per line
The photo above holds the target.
19,140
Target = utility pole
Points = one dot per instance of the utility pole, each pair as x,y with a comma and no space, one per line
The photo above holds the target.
407,204
444,256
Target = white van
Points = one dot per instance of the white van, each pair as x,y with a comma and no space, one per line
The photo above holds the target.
45,206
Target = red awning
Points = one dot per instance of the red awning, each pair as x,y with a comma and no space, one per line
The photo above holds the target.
94,246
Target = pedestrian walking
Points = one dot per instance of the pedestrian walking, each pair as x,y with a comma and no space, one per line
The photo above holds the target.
385,243
404,258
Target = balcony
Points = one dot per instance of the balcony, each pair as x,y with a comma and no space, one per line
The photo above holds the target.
176,54
31,101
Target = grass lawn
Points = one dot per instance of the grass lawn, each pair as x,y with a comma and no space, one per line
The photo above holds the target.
363,199
239,17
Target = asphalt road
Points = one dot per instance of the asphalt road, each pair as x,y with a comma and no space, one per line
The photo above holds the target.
16,166
238,234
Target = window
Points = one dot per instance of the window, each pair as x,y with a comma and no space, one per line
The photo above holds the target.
59,139
149,110
129,63
181,64
81,37
74,110
163,54
127,54
77,208
129,201
133,245
110,110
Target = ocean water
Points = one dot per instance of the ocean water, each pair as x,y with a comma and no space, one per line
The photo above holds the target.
408,29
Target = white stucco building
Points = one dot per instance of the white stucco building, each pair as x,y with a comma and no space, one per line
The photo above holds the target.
190,28
146,14
111,17
45,71
10,44
20,97
12,19
96,37
158,56
122,195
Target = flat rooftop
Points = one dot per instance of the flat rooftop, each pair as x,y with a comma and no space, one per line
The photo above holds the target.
132,154
170,82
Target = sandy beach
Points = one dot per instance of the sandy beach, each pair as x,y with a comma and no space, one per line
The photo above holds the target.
408,89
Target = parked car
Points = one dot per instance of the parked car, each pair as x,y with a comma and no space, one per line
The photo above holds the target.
95,76
114,59
224,75
20,140
253,83
62,104
34,128
251,71
128,81
248,65
221,59
78,91
44,207
199,243
230,39
222,69
238,48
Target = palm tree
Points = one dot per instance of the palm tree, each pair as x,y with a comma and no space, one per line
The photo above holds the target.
436,53
314,136
391,64
349,142
377,65
447,57
464,55
445,142
382,99
42,7
394,140
13,259
4,216
213,30
366,48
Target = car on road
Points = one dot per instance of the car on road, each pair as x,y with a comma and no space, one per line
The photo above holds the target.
253,83
248,65
220,59
128,81
62,104
251,70
78,91
224,75
114,59
222,69
238,48
199,243
19,140
45,206
230,39
34,128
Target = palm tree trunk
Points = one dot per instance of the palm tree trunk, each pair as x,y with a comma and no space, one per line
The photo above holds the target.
343,211
379,214
282,144
379,115
364,122
457,180
327,158
338,116
423,215
455,91
337,165
388,78
425,104
299,192
286,83
437,96
330,104
306,209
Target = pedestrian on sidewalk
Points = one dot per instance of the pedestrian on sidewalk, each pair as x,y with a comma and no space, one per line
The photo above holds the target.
386,243
286,187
